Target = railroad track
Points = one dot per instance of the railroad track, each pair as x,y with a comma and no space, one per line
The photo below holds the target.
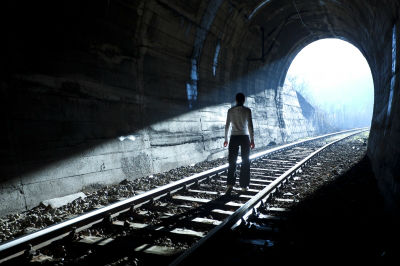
170,223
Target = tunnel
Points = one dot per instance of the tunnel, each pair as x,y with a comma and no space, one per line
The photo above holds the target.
100,91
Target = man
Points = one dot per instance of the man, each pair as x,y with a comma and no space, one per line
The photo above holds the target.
242,126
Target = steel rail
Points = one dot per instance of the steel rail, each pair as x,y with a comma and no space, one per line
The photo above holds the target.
243,212
16,247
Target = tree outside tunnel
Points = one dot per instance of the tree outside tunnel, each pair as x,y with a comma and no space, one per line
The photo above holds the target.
335,78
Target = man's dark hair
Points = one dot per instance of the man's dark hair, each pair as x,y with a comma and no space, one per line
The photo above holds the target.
240,98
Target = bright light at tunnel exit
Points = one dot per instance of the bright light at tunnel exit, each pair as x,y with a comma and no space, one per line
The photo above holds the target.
334,76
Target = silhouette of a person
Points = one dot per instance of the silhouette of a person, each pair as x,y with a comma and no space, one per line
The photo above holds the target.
240,118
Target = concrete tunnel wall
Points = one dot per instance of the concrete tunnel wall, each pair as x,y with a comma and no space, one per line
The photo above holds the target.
99,91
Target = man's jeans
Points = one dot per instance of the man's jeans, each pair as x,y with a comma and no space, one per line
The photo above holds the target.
244,143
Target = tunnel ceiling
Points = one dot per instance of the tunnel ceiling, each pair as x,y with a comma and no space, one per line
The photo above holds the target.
291,25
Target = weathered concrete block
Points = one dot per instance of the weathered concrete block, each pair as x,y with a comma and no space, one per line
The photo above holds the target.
62,201
12,199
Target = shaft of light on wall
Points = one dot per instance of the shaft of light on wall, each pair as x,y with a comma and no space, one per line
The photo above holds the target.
129,137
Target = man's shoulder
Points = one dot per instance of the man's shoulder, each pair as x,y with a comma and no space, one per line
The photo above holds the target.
239,107
247,108
232,108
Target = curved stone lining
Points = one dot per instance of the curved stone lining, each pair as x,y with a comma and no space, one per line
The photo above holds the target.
79,75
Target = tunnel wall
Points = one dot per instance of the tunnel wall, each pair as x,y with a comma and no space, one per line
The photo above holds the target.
77,75
384,142
94,92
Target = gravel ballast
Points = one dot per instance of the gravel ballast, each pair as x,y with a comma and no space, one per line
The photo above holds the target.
338,217
97,196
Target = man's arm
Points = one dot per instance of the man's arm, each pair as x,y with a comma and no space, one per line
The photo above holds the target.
251,129
228,122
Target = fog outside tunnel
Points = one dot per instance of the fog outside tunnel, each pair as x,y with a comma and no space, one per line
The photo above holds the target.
335,78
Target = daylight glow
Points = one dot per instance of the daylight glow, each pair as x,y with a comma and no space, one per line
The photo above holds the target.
336,75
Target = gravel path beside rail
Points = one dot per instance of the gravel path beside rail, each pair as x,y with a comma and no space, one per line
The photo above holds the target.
18,224
338,217
97,196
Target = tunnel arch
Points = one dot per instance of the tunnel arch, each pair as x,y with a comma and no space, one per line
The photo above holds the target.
353,25
348,103
302,45
289,27
292,25
305,38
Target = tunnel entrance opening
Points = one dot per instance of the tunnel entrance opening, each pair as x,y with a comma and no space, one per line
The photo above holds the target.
334,85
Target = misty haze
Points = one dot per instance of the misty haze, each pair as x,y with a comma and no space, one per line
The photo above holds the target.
334,77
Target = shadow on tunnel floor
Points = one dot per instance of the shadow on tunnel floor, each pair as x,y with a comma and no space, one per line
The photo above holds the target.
342,223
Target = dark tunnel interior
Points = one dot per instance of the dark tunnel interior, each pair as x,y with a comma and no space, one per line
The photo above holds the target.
79,77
